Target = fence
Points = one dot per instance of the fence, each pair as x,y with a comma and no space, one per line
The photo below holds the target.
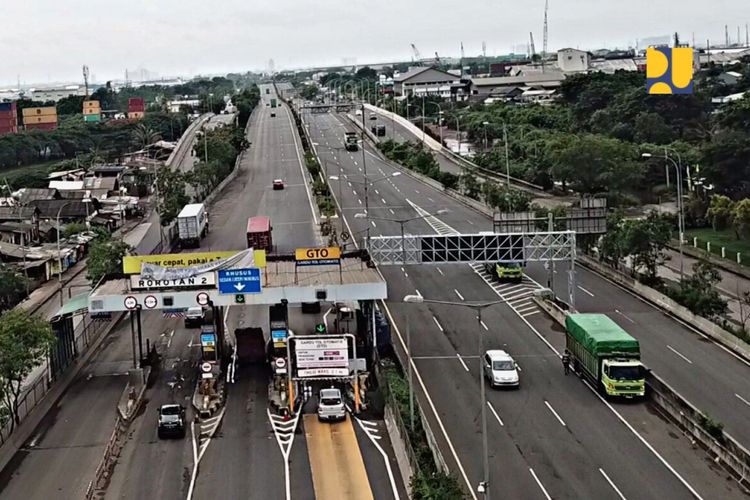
86,332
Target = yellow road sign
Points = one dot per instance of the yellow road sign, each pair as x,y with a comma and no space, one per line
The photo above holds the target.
325,253
131,264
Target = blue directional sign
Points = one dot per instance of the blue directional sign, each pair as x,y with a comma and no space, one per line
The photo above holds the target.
239,281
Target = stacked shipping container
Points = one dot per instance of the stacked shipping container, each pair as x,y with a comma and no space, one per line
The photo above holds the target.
8,118
92,111
136,108
40,118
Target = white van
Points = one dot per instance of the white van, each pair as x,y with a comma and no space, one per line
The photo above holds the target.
331,405
500,369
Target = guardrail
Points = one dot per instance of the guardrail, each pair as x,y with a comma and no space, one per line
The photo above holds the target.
461,161
681,412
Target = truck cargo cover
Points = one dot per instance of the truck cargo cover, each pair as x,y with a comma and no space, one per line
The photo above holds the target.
600,335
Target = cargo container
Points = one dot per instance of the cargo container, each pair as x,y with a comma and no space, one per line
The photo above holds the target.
136,101
8,131
45,111
92,118
33,120
192,225
135,115
605,354
259,233
92,111
8,107
40,126
91,104
7,121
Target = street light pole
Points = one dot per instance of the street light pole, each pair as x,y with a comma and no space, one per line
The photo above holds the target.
59,255
477,308
507,163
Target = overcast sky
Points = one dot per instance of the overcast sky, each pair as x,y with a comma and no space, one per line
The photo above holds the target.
49,40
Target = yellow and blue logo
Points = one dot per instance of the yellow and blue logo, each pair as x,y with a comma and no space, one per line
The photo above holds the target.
669,70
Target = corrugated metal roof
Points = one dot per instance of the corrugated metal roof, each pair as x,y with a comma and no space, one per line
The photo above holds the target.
502,81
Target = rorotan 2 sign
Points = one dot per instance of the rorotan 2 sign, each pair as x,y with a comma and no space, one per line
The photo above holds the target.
327,357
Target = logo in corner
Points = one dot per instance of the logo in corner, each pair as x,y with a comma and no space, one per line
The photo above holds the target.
669,70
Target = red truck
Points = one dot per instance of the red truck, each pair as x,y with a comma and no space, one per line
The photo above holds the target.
251,345
259,233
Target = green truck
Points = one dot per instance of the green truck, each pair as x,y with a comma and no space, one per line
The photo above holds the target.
606,354
273,103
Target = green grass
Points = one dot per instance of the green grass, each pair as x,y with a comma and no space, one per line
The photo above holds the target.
718,239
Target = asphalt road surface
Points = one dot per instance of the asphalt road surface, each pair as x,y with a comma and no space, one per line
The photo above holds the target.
554,436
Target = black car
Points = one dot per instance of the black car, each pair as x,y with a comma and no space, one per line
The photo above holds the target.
171,421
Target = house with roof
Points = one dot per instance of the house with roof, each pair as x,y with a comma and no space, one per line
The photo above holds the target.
19,224
66,210
482,88
27,195
430,81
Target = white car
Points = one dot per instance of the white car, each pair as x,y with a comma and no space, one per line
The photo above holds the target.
500,369
331,405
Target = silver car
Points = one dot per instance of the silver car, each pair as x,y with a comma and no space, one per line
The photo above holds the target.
331,405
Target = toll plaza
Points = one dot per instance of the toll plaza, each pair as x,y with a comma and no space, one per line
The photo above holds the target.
324,282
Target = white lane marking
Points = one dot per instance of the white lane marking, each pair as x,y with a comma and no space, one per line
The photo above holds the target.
302,169
462,362
500,421
541,486
459,294
621,314
432,404
531,313
383,200
430,200
392,212
584,290
350,184
438,324
354,191
441,272
743,399
562,422
377,192
467,220
614,487
374,438
484,326
360,201
679,354
416,191
526,308
643,440
417,291
373,223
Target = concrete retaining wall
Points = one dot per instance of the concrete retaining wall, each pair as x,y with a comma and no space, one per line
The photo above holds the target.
680,411
663,302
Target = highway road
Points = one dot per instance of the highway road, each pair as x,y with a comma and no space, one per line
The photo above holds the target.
705,373
554,436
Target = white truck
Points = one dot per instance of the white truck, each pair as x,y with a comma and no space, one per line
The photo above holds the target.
192,225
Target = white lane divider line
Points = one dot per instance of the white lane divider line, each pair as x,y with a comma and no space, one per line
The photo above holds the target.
440,271
679,354
383,200
354,191
360,201
391,211
377,192
492,408
467,220
484,326
459,294
541,486
462,362
373,223
612,484
371,430
562,422
416,191
623,315
584,290
418,292
743,399
438,324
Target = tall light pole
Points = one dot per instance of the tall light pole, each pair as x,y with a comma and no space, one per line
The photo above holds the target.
402,223
477,307
458,132
440,114
507,162
680,204
484,126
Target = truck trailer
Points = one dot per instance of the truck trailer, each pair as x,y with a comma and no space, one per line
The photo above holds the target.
251,345
605,354
192,225
259,233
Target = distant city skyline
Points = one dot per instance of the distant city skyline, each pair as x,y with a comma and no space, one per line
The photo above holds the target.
46,44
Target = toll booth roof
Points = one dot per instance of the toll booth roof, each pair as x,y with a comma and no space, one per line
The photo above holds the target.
352,272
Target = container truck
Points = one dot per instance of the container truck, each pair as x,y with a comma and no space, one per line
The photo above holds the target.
350,141
606,354
259,233
192,225
251,345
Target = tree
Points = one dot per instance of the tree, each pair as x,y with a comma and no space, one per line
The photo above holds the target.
727,163
74,228
12,286
720,211
644,241
172,196
24,341
698,291
144,136
105,257
741,218
469,185
309,91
